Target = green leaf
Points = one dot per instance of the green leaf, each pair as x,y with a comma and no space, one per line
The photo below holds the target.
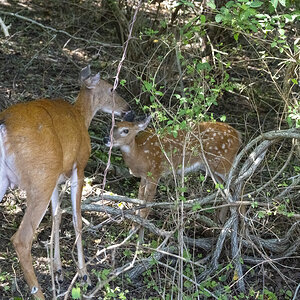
76,293
104,274
254,204
274,44
256,4
203,19
148,86
274,3
253,28
211,4
218,18
123,82
196,207
261,16
282,2
288,17
223,118
236,36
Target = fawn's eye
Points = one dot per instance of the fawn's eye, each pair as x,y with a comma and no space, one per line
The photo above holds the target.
125,131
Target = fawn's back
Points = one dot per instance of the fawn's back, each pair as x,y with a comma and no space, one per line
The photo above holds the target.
208,143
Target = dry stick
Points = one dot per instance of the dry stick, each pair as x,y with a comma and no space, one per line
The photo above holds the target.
116,82
119,270
296,292
288,133
4,28
16,15
207,243
113,122
275,176
286,254
247,170
66,294
256,158
277,245
287,189
187,205
16,282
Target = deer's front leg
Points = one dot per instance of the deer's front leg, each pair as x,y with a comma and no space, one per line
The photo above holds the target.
149,195
141,194
76,192
56,215
149,190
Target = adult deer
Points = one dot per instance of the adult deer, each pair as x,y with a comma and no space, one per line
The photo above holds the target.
42,143
208,146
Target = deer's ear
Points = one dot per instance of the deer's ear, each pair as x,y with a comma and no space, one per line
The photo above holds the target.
85,73
92,81
144,123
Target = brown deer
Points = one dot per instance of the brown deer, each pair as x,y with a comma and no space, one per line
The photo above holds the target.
207,146
42,143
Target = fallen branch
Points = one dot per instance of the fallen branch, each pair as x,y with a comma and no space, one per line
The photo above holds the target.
4,28
187,205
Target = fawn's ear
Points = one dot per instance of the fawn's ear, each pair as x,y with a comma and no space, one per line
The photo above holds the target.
144,123
129,116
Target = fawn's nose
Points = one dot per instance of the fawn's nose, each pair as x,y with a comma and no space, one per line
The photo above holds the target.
106,141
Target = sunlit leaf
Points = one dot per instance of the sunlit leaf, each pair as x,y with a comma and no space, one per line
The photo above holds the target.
274,3
256,4
211,4
76,293
218,18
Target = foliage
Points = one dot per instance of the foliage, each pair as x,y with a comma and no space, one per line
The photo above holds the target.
234,61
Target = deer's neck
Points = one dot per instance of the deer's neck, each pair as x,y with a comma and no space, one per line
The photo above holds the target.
84,104
129,151
131,157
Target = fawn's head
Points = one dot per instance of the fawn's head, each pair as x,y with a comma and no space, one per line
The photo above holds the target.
125,132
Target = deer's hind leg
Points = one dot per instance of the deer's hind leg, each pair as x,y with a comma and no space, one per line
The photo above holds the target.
38,199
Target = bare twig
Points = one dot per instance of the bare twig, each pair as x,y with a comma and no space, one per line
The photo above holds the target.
116,82
4,28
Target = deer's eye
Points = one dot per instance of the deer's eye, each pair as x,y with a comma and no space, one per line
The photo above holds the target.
125,131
